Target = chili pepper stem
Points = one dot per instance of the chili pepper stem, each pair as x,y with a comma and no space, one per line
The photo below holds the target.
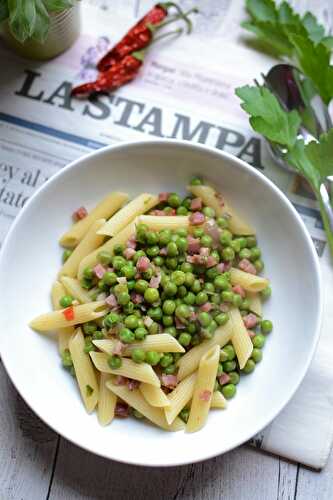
182,15
176,17
140,54
326,224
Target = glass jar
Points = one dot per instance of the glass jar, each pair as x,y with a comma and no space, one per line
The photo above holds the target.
64,31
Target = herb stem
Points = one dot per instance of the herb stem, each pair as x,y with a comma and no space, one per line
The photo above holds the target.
326,222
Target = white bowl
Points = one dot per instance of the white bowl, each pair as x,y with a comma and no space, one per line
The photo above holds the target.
31,257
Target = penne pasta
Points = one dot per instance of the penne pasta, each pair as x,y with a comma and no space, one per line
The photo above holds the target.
88,244
154,395
190,361
105,209
120,239
218,400
106,401
250,282
203,389
212,199
162,342
179,397
84,371
159,222
136,400
128,213
79,314
142,372
64,334
255,303
74,289
240,338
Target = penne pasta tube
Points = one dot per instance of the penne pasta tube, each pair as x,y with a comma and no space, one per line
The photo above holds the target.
218,400
88,244
250,282
105,209
142,372
120,239
77,315
136,400
74,289
179,397
106,401
64,334
212,199
203,389
255,303
162,342
190,361
84,371
127,214
154,395
240,338
159,222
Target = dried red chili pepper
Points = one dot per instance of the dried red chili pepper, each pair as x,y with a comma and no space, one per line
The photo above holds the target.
138,37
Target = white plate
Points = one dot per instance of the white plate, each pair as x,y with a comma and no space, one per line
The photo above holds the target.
31,257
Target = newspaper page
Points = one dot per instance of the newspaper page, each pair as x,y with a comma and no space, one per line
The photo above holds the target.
184,91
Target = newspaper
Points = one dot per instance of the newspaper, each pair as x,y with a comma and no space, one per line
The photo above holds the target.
185,91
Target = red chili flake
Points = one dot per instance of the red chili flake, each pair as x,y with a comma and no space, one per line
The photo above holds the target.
69,313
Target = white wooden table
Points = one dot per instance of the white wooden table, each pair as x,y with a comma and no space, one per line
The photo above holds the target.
36,464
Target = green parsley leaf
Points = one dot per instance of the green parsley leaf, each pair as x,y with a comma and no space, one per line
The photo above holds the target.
42,22
58,5
267,117
315,30
4,12
22,18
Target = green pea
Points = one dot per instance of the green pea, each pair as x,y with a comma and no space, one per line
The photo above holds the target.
187,202
229,391
204,318
222,318
266,293
222,222
66,254
198,232
141,286
158,261
192,328
183,311
230,351
166,360
249,366
206,334
140,333
167,320
208,212
137,414
259,265
151,295
118,262
118,249
170,289
111,319
186,267
109,278
228,253
123,298
131,322
172,249
216,255
215,299
138,355
168,210
182,244
182,232
245,305
129,308
182,291
256,355
98,335
266,326
178,277
237,300
195,340
114,362
251,241
245,253
155,313
88,345
255,253
234,377
164,237
189,299
201,298
184,414
171,262
223,356
88,273
182,210
153,251
66,358
89,328
229,366
154,328
206,240
212,273
104,257
184,339
196,181
219,370
227,296
225,237
196,287
131,284
174,200
258,341
152,238
235,245
126,336
137,255
171,330
152,358
209,287
212,326
66,301
142,228
147,275
169,307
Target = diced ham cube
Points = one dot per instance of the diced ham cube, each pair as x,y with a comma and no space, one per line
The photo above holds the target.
247,266
131,243
193,245
121,410
155,281
129,252
220,267
148,321
118,348
136,298
120,380
169,381
197,218
224,378
162,197
132,384
143,264
196,204
211,261
204,251
205,395
250,320
206,307
99,271
79,214
111,300
240,290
